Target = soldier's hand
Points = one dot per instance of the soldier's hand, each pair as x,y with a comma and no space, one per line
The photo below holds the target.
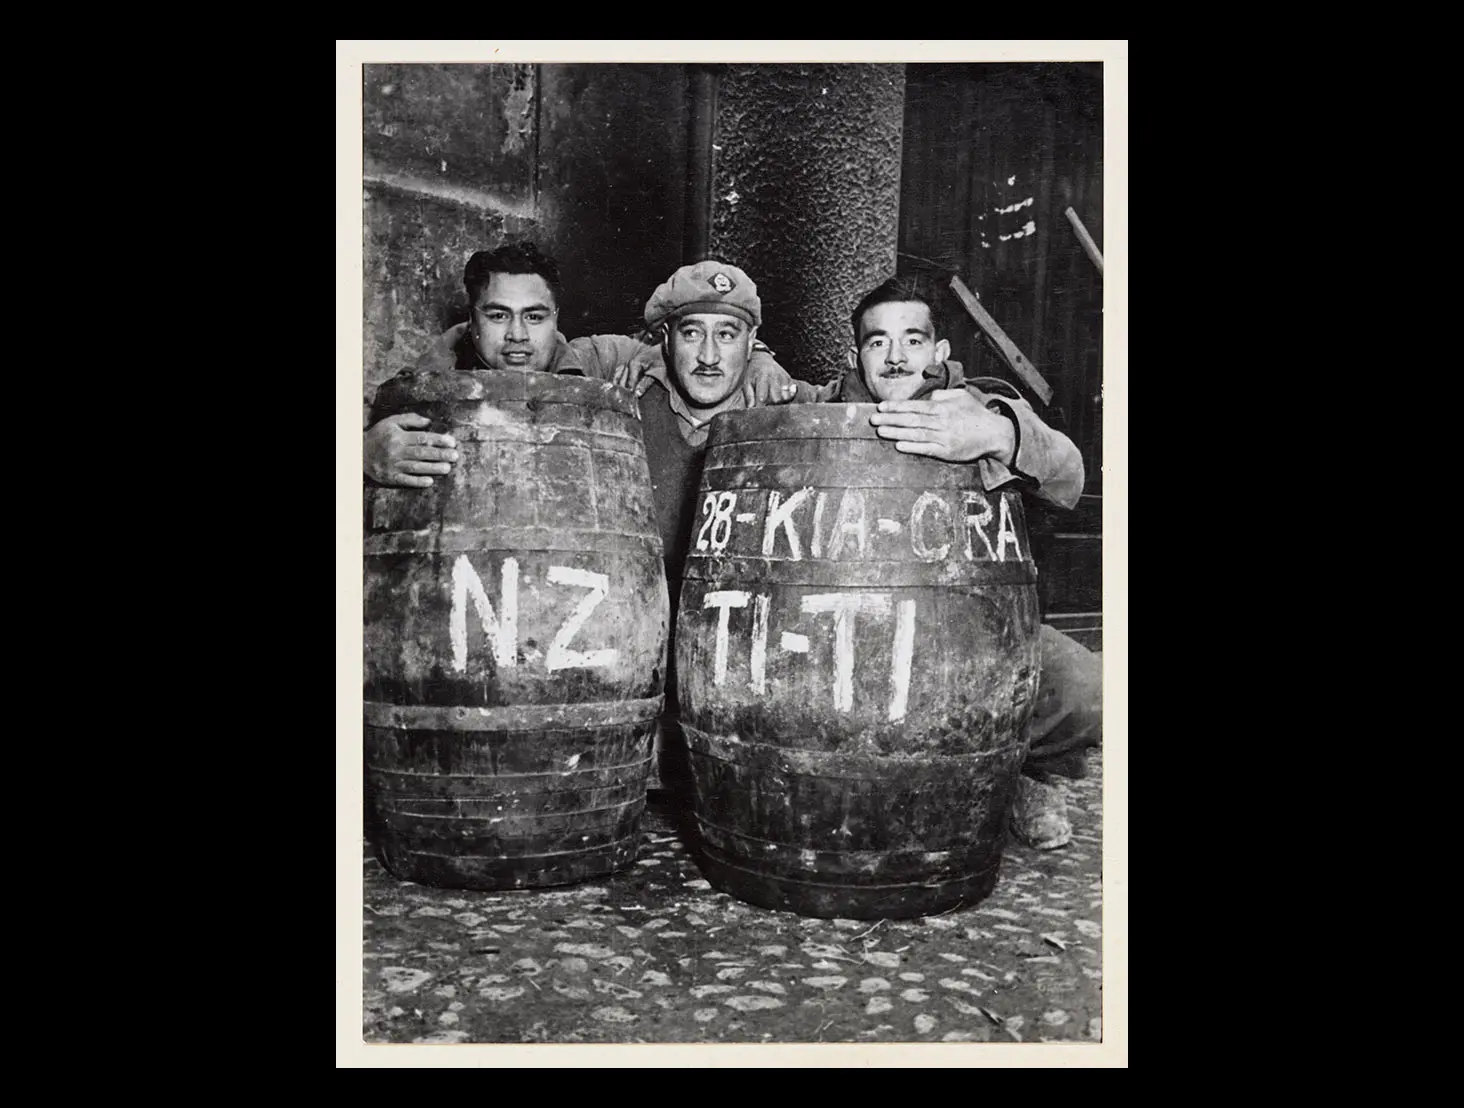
398,452
952,425
766,382
754,394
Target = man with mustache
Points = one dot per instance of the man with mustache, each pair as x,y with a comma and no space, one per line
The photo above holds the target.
927,406
695,361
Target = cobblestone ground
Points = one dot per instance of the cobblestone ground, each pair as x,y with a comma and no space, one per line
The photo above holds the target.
654,955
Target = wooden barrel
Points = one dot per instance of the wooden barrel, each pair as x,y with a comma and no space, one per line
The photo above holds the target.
516,620
857,659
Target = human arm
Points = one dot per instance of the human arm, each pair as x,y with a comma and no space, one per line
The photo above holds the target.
1043,455
1002,435
606,358
397,451
767,382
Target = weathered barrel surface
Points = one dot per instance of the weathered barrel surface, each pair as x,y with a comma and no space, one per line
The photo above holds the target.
857,660
516,622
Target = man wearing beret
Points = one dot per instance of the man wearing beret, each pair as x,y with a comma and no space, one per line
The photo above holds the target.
514,294
692,363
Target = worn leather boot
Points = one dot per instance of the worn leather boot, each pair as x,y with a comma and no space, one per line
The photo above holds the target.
1039,814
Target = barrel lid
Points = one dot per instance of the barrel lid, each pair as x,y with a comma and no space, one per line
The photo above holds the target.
794,421
447,386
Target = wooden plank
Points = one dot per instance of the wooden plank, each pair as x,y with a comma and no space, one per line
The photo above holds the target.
1014,357
1086,239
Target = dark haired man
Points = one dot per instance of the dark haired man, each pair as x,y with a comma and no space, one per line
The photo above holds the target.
927,406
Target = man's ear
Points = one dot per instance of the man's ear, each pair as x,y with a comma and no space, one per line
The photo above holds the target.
851,358
942,351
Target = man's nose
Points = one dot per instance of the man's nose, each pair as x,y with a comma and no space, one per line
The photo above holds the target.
895,355
517,328
708,354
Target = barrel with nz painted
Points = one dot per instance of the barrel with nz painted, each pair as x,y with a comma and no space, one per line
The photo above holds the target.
516,624
857,661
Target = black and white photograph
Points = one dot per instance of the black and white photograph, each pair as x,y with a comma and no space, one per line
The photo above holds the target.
726,622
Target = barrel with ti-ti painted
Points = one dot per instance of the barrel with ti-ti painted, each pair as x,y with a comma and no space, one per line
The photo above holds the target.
857,660
516,625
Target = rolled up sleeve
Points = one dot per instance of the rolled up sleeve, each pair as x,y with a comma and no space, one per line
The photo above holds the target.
1044,458
599,356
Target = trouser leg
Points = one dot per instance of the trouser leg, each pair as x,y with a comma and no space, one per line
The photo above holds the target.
670,762
1067,719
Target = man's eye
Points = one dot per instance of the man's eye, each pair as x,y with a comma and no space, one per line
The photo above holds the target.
497,317
874,344
536,318
727,336
914,342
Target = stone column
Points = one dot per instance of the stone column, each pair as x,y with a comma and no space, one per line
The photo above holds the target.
806,197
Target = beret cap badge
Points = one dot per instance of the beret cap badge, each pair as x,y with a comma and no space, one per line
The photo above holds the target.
709,286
